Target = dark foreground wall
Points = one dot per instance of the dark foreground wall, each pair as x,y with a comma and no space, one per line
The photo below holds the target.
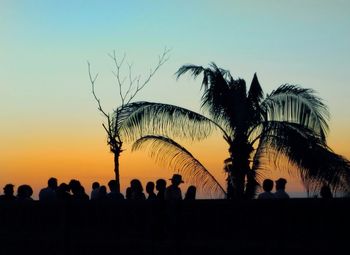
297,226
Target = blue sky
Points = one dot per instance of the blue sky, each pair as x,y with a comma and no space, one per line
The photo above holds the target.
45,46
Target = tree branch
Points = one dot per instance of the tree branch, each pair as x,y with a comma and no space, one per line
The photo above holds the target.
128,86
134,85
161,60
120,82
92,81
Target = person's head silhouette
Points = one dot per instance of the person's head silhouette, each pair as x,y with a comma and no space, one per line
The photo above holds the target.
95,185
24,192
8,189
128,193
267,185
52,183
102,192
136,186
160,184
176,180
74,186
191,193
63,187
281,184
112,184
326,192
150,187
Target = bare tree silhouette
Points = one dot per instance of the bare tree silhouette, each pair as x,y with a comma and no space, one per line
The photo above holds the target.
289,122
128,86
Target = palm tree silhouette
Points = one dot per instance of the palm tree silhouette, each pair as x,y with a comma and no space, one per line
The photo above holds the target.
290,121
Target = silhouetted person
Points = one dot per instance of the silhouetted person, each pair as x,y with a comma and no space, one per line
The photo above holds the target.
150,191
128,193
114,194
173,192
267,186
280,189
8,193
102,193
82,194
326,192
95,191
191,193
62,192
49,193
161,187
137,190
78,191
24,193
73,184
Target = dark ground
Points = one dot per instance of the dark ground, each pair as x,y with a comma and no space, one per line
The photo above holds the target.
295,226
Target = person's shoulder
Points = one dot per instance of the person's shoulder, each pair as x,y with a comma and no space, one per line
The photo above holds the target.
115,196
266,195
152,196
281,194
43,190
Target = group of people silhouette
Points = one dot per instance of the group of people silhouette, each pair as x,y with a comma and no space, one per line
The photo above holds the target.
74,191
325,191
280,189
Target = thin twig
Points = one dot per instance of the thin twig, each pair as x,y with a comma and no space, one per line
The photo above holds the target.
92,81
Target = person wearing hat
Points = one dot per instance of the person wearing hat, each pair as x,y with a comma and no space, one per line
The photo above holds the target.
280,189
8,193
173,192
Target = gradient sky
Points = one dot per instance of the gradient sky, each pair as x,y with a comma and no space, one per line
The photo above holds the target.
49,123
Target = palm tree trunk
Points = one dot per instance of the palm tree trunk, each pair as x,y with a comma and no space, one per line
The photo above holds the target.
240,154
251,185
238,173
116,169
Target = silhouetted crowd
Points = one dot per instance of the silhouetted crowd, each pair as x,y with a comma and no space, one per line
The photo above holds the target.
74,191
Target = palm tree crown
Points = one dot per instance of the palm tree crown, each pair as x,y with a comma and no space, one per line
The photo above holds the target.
290,121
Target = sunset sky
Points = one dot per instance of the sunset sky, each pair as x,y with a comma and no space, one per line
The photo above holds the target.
49,122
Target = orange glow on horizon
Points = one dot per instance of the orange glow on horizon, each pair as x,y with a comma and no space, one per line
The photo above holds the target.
91,161
35,157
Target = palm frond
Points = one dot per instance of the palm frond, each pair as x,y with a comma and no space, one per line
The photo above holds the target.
216,98
224,98
306,148
255,96
195,70
164,119
259,167
260,162
297,105
173,155
255,93
124,112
